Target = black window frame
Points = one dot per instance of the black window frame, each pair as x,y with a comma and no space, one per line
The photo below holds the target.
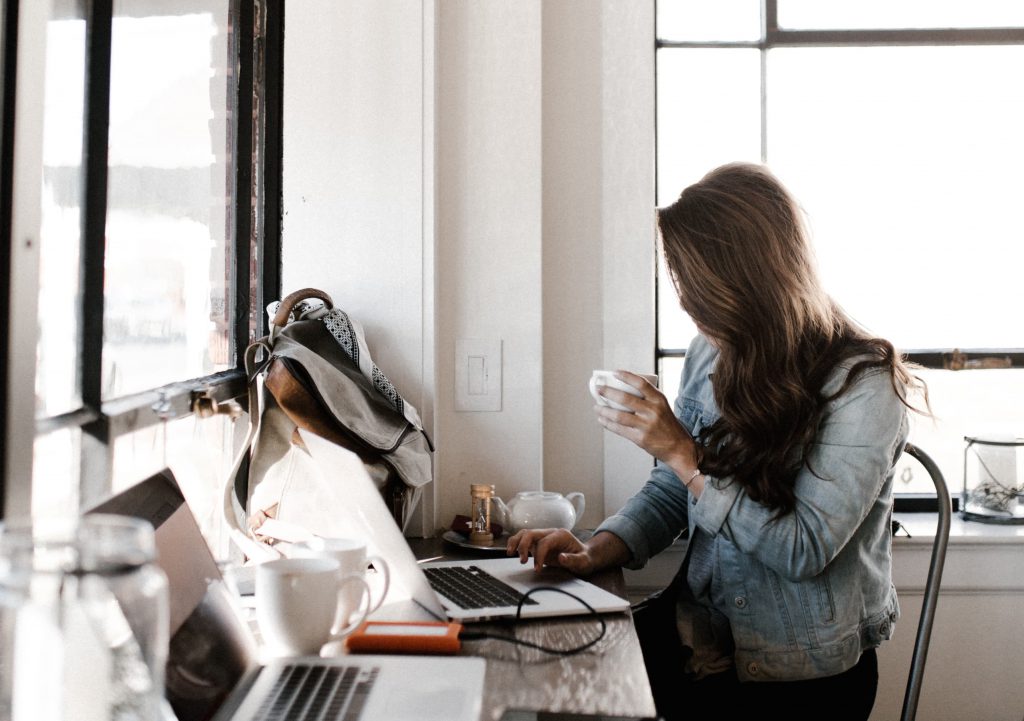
8,67
772,36
258,53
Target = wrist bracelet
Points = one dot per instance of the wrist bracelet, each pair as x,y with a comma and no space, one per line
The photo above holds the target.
688,481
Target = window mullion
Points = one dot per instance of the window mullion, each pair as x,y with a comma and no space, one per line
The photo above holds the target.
8,65
269,253
95,458
769,18
903,36
94,212
245,12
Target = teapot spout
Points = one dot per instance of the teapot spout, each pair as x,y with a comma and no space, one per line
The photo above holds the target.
499,512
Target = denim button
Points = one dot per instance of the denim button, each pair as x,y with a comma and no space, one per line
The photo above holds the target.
753,669
740,602
884,628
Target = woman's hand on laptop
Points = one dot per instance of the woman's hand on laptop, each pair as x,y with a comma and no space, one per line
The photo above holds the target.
558,547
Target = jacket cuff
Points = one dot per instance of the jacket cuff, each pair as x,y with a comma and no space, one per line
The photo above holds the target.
632,535
714,504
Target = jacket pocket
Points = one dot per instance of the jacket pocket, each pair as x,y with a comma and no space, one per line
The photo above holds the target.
826,600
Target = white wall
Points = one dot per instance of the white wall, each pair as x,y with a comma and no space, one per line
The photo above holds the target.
358,175
489,231
510,122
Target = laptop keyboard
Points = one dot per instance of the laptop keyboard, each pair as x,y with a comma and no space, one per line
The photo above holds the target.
471,587
307,693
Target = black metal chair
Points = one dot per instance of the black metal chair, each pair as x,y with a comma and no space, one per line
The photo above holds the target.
931,589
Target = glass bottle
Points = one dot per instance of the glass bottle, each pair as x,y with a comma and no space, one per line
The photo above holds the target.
83,620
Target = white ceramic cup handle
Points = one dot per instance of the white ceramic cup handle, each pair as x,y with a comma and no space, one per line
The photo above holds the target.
593,391
382,567
361,610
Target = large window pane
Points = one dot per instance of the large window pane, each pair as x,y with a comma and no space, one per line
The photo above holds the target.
169,194
55,473
908,160
965,403
709,20
670,372
709,110
58,387
675,328
894,14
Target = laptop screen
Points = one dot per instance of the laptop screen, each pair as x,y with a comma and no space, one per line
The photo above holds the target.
210,647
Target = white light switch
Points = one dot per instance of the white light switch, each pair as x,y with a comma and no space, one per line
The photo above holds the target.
477,374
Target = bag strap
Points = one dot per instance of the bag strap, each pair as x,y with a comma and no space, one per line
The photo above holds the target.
288,303
238,534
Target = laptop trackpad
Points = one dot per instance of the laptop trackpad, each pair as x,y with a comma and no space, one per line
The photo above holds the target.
416,704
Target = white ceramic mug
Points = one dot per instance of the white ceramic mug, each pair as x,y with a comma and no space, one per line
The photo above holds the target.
297,602
607,378
350,553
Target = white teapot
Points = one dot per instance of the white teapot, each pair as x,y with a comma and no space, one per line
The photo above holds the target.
540,509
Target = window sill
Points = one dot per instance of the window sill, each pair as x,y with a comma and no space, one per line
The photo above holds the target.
921,527
981,558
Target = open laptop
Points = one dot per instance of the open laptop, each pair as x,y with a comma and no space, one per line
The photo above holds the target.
368,518
212,668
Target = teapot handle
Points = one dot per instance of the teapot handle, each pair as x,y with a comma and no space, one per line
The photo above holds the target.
579,503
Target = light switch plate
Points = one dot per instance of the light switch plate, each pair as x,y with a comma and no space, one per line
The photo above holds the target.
478,374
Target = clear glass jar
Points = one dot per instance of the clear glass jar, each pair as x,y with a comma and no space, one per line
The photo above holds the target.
83,620
993,489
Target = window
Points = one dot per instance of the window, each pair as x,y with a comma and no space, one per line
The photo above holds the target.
158,241
897,126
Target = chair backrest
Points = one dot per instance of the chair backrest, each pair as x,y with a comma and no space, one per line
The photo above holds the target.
931,589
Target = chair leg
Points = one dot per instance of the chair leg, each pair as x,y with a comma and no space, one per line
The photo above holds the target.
931,593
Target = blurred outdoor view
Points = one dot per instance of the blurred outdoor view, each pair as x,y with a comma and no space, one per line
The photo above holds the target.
169,211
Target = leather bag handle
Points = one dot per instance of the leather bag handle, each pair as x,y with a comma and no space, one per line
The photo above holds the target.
293,299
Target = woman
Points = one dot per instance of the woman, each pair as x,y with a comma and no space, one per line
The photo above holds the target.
776,460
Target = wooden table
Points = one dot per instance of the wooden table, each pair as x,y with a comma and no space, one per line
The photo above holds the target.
607,679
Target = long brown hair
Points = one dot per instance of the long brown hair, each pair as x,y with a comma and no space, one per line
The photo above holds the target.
743,267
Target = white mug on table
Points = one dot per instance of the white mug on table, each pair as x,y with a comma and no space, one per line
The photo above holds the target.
298,602
351,555
607,378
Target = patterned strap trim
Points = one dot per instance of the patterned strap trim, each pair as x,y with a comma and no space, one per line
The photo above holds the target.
339,325
346,333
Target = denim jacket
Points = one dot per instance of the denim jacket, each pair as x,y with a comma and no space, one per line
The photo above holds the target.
807,594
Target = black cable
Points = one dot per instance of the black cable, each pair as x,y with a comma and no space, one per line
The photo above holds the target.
530,644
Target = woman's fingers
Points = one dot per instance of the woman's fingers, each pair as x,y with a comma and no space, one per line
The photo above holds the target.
523,543
548,549
650,423
545,545
520,544
630,400
632,379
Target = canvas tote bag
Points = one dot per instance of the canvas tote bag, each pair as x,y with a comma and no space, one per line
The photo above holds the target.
313,371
